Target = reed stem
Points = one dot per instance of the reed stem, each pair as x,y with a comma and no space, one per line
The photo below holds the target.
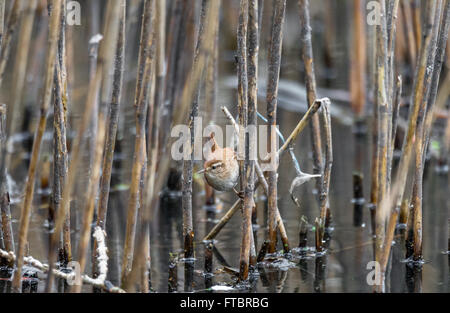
29,189
271,98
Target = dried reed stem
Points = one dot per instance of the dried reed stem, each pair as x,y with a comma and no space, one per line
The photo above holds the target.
60,156
6,226
90,204
104,63
392,203
271,98
144,80
243,159
188,93
307,56
11,27
300,126
29,189
113,119
100,282
262,180
19,71
324,196
426,108
409,30
384,113
358,60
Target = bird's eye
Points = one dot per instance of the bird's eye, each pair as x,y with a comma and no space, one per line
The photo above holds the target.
214,166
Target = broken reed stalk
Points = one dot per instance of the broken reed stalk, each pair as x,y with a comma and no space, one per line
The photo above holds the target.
188,93
173,275
263,251
262,180
358,199
104,63
45,104
308,61
143,85
384,114
300,126
6,226
303,235
100,282
324,196
391,204
11,27
60,155
223,221
271,98
426,109
358,60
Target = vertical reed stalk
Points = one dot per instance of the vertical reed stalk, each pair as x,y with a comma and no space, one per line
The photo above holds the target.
146,63
112,125
308,61
60,157
426,107
409,30
88,216
392,203
243,120
188,228
20,66
271,98
2,20
45,104
391,25
416,7
384,113
11,27
212,72
324,196
6,226
160,73
186,99
358,60
358,199
252,71
104,63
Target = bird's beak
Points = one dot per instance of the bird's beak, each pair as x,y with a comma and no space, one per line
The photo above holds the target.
200,172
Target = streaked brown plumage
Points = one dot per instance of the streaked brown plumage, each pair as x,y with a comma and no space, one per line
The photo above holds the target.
221,167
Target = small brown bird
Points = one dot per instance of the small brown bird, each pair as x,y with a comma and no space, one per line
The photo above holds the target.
221,167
